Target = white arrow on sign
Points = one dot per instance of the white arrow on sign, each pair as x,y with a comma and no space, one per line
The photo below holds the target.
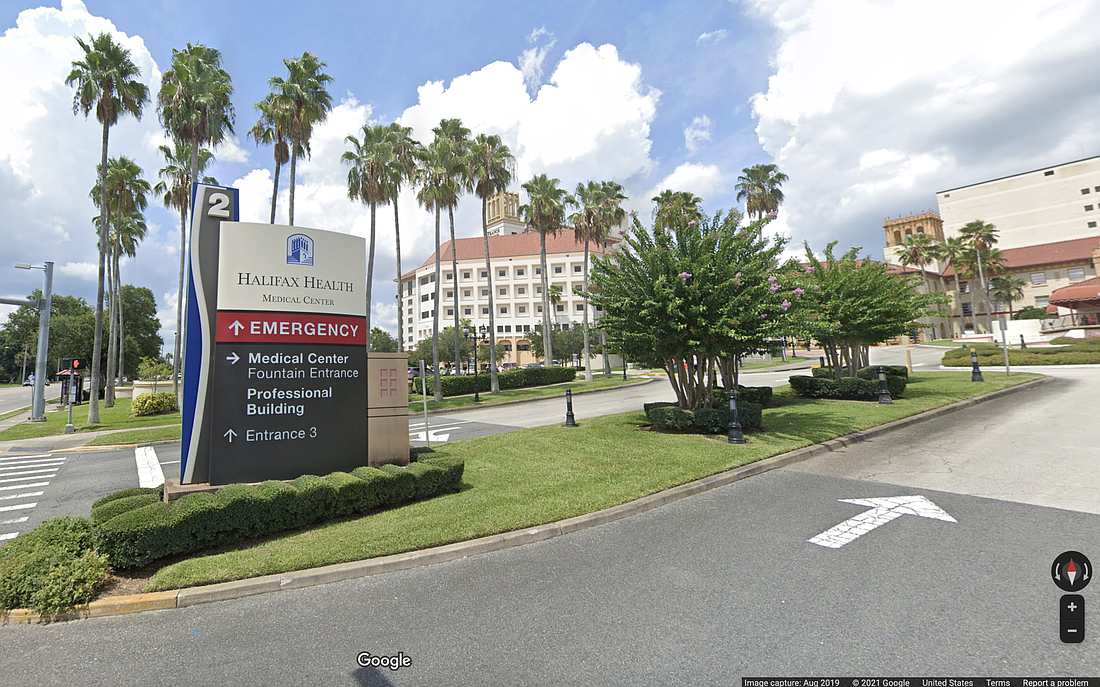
233,358
236,327
883,510
230,433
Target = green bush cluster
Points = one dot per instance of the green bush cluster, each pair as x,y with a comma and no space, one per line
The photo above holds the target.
1072,352
870,372
670,416
845,388
452,385
1092,341
761,395
150,530
51,568
155,403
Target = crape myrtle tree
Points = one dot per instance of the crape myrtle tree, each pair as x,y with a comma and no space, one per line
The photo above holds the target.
850,304
694,297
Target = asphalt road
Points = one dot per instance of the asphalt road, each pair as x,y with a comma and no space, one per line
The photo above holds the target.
16,397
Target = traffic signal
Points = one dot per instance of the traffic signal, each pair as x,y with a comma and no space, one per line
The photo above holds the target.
78,364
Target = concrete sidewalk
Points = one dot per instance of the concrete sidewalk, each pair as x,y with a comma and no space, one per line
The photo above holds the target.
57,442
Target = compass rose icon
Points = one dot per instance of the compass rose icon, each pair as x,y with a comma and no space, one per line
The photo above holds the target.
1071,571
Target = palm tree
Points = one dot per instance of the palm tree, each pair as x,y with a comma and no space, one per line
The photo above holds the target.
980,236
126,197
304,94
918,250
404,151
491,167
128,233
458,138
1008,289
598,210
673,204
369,181
175,191
195,106
545,211
106,80
952,253
436,192
272,128
759,188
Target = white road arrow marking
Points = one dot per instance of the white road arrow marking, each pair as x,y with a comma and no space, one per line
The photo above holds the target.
883,510
236,327
434,434
230,433
233,358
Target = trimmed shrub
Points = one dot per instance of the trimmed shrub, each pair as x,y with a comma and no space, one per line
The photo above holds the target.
671,417
711,420
105,511
845,388
750,414
239,512
761,395
810,387
125,493
822,372
648,407
51,568
458,385
871,371
155,403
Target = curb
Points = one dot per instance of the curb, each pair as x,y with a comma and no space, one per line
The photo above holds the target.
224,591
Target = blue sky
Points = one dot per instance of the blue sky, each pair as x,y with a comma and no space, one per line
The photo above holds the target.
870,106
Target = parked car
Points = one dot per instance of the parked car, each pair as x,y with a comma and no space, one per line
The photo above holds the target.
509,366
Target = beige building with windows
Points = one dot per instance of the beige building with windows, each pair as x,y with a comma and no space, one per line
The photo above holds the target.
516,283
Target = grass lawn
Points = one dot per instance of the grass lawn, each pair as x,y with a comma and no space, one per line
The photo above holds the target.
599,381
138,436
944,343
535,476
109,418
13,413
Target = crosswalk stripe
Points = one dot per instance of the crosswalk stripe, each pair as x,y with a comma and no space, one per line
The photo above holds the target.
9,535
22,496
26,486
41,455
29,472
15,521
28,461
7,469
27,479
21,506
149,471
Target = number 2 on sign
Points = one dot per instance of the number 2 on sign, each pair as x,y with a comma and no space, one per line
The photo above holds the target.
220,205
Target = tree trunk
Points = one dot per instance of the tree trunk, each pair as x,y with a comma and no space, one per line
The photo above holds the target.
494,381
400,304
186,302
112,325
435,313
121,323
293,168
275,191
454,292
985,294
176,363
606,360
97,342
370,269
547,345
587,353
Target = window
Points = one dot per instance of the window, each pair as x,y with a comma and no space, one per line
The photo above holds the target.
521,290
465,275
450,294
484,311
502,273
466,311
565,327
410,330
967,311
538,271
450,312
425,314
538,309
507,344
561,308
503,291
1097,189
523,347
484,274
448,276
409,312
507,329
485,293
424,297
504,310
947,195
522,310
409,291
1088,208
1038,278
500,329
557,270
1092,225
1085,191
964,287
519,270
1076,273
466,293
580,307
1042,301
538,290
1049,173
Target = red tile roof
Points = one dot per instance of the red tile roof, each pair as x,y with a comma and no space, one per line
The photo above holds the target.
509,246
1088,290
1058,252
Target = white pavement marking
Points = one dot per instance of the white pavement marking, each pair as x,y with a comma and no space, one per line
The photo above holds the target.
31,462
169,462
21,506
40,455
27,495
9,535
30,472
883,510
434,433
15,521
149,472
53,473
15,468
26,486
451,422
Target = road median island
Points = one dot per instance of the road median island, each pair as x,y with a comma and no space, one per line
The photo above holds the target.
544,482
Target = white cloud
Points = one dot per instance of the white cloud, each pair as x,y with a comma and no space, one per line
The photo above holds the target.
873,106
702,180
230,150
79,270
711,36
532,59
697,132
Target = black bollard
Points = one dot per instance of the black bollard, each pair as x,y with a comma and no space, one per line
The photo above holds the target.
1023,344
883,388
570,421
734,435
975,371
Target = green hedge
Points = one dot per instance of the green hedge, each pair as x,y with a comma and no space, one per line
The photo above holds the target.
155,404
51,568
459,385
845,388
705,420
147,531
870,372
126,493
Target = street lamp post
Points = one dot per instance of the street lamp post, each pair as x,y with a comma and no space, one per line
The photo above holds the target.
473,335
44,305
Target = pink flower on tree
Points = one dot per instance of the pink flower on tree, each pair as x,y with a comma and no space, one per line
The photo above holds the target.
786,305
685,275
816,287
771,279
763,316
693,224
775,287
798,293
810,270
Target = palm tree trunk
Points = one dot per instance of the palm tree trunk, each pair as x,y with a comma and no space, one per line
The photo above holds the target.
275,191
606,359
112,326
435,313
370,268
400,305
494,382
454,285
293,169
183,285
176,363
97,342
985,294
587,353
121,322
547,345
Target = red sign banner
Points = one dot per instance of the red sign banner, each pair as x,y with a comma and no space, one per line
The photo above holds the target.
275,327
